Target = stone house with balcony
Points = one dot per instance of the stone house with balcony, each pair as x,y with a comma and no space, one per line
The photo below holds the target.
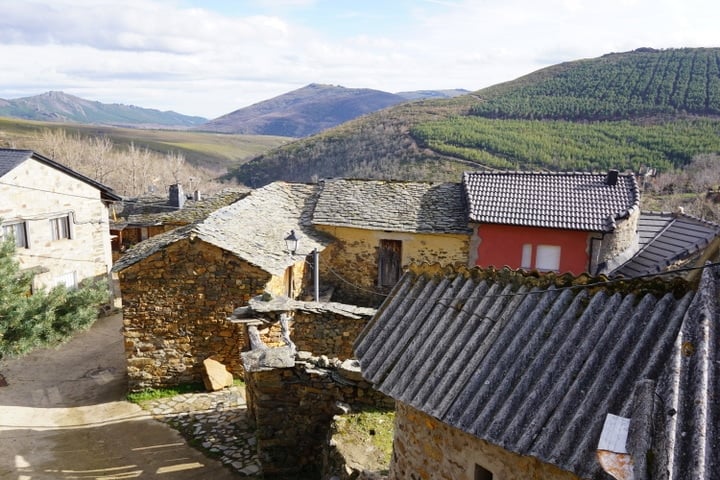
58,217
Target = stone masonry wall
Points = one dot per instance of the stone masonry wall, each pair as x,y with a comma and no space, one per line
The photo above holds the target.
350,263
331,334
617,247
425,448
176,305
293,408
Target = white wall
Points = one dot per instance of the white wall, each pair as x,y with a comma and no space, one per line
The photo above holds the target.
35,193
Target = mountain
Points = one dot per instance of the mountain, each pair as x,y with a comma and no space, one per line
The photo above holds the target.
61,107
653,109
303,112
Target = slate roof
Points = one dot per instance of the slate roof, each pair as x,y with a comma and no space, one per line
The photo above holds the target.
392,205
534,364
11,158
252,228
150,211
565,200
667,240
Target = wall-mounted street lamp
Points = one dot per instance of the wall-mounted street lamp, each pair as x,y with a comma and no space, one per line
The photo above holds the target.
292,242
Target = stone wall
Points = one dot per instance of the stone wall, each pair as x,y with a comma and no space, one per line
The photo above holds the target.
293,408
350,263
424,447
619,246
328,333
176,305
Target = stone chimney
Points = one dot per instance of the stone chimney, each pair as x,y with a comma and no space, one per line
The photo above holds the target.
177,197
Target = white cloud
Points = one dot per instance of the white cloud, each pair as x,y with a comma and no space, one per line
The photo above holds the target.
193,59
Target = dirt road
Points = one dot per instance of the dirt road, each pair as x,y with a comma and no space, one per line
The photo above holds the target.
63,415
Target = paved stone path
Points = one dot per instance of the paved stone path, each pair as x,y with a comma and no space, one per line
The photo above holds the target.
216,423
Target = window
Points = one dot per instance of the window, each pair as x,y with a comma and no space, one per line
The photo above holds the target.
526,256
69,280
482,473
18,231
60,227
547,258
389,262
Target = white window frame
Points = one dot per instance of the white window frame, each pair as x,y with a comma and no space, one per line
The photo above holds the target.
526,261
12,228
547,258
60,228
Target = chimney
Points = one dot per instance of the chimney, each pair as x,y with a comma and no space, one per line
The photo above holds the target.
612,178
197,196
177,197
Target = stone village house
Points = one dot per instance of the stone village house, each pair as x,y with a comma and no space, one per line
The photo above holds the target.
505,375
179,288
58,217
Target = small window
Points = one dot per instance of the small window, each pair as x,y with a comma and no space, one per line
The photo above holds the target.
526,261
389,262
482,473
18,231
60,227
547,258
69,280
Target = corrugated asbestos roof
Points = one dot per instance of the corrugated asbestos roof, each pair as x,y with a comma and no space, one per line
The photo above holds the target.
11,158
252,228
392,205
536,369
565,200
666,240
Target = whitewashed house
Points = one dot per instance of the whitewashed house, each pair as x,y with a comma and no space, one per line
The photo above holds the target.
58,217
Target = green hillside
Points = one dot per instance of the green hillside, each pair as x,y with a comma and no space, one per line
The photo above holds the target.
622,110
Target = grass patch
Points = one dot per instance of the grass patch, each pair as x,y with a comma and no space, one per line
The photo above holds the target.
150,394
374,427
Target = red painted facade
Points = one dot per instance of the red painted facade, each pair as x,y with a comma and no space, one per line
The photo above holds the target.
502,245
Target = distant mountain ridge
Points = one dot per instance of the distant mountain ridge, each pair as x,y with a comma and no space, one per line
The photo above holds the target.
312,109
646,108
61,107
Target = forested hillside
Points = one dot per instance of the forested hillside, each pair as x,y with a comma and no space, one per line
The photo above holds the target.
646,108
641,83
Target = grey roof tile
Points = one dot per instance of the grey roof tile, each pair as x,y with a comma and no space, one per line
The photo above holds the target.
252,228
392,205
565,200
149,211
533,364
665,240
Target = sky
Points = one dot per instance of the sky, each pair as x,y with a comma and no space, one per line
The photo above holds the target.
211,57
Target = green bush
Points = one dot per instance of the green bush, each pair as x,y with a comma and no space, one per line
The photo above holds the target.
45,317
